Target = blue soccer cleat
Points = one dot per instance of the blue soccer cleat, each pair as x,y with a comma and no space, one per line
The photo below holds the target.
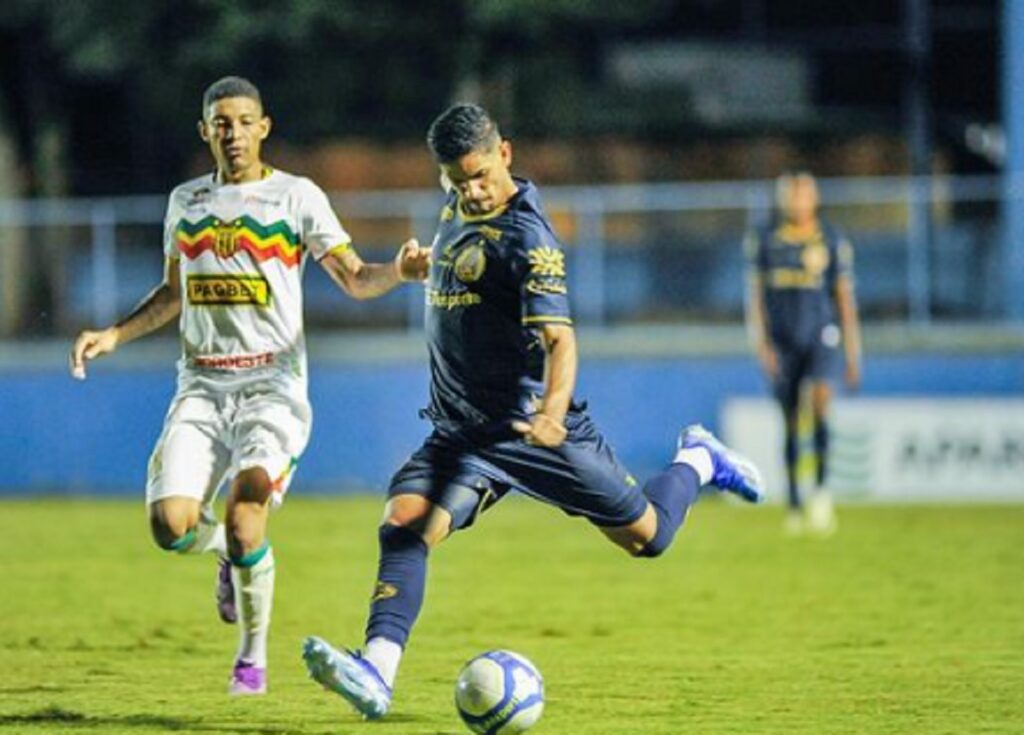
349,674
730,470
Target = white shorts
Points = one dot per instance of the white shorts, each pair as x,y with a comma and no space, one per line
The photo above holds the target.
211,435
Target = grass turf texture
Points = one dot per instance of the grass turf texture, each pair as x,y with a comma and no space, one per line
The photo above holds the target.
908,621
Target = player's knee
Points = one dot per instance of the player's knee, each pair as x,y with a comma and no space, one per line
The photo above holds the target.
252,485
245,527
399,538
657,543
430,522
170,531
653,548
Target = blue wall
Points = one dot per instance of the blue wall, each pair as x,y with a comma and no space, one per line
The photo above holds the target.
58,435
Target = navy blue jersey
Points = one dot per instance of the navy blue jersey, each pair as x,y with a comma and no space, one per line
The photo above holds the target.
494,280
799,276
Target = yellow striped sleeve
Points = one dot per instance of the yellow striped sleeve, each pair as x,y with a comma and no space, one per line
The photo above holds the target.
547,320
339,249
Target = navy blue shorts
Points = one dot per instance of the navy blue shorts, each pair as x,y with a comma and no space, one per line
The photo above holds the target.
467,475
813,361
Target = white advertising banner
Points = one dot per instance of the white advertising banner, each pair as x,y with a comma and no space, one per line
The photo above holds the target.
906,450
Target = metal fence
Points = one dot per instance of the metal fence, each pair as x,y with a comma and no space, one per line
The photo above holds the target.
927,248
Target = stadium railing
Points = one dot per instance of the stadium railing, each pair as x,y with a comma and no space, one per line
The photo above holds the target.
639,254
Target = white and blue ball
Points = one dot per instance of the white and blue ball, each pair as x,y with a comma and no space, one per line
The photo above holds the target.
498,693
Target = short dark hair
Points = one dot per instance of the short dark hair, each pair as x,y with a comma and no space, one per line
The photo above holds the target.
230,87
461,129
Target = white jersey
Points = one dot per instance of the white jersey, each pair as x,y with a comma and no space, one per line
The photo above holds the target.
242,250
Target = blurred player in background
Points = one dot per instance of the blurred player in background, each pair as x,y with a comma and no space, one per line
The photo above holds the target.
235,244
503,367
800,309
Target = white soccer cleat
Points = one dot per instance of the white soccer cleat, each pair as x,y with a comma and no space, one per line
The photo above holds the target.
349,674
821,515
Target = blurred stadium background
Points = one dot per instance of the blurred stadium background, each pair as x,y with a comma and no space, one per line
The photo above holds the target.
654,129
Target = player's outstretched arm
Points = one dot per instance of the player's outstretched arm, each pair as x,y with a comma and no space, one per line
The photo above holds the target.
369,280
547,427
161,305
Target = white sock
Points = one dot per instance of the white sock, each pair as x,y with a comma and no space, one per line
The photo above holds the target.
385,656
254,597
699,459
209,535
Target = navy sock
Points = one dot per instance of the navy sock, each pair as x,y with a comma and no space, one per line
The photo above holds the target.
670,494
821,437
792,458
401,579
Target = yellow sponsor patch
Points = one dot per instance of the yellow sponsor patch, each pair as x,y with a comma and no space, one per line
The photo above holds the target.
209,290
383,591
546,286
452,300
793,278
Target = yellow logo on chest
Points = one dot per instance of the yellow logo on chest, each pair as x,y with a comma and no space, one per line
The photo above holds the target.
815,258
470,263
226,239
211,290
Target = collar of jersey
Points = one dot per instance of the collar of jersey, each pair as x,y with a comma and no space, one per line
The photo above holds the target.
265,174
785,233
480,217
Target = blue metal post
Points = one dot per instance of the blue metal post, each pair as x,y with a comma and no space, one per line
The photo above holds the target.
104,265
919,140
588,279
1013,176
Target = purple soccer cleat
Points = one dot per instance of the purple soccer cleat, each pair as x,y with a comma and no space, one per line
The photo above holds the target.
247,679
225,593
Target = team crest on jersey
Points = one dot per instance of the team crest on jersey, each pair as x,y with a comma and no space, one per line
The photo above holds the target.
814,258
226,239
470,263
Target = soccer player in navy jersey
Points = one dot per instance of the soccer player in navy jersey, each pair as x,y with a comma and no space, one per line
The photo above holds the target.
503,366
801,307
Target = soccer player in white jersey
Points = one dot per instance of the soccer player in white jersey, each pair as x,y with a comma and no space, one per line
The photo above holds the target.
235,245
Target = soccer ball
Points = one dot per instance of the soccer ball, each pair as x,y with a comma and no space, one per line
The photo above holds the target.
499,692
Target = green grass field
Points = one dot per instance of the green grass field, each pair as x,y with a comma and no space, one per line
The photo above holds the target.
910,620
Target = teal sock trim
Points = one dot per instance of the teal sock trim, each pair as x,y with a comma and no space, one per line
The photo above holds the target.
253,557
185,542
